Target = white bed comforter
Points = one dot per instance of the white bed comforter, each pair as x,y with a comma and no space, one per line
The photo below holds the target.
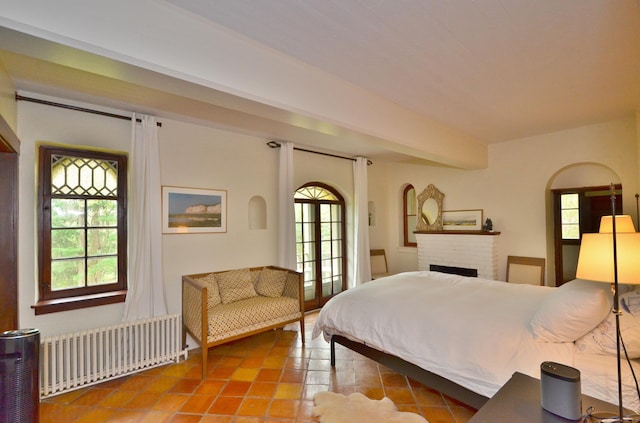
472,331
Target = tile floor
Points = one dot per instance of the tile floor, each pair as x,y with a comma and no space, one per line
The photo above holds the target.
267,378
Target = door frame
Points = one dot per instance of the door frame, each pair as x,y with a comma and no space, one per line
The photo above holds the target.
585,216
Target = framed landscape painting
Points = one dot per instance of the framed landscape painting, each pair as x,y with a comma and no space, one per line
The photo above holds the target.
193,210
462,220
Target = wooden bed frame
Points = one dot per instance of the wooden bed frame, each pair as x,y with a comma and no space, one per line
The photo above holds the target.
416,373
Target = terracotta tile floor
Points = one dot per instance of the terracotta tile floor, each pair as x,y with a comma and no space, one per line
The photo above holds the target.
266,378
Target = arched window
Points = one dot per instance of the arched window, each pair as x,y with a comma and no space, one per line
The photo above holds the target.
320,242
409,215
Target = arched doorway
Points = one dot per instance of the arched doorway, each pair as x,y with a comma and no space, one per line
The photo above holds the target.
320,242
580,195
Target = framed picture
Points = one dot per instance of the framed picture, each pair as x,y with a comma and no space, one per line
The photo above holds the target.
462,220
193,210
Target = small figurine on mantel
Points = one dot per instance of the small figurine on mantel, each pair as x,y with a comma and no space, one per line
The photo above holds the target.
488,225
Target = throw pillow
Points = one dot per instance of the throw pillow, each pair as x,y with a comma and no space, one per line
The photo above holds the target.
571,311
213,295
271,282
235,285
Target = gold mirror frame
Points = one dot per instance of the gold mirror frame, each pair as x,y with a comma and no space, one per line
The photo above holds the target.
430,193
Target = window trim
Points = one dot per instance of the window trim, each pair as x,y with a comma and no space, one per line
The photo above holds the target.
405,216
75,298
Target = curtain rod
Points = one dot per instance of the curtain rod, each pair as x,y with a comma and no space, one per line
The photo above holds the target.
76,108
275,144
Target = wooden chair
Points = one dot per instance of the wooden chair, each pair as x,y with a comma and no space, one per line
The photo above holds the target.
528,270
379,266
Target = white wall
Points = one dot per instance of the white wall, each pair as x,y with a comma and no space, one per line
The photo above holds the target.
513,190
40,124
7,99
191,156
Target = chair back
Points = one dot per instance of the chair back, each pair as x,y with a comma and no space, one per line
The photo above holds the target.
527,270
379,266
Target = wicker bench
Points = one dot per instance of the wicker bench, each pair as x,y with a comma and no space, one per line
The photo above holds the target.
218,307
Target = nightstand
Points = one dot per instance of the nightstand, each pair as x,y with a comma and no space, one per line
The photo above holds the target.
519,401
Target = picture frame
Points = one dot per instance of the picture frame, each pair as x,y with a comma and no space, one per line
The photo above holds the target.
462,220
193,210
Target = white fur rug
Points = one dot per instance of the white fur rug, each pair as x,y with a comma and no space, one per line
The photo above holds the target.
337,408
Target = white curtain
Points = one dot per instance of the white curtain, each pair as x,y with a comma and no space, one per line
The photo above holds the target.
362,260
145,297
286,216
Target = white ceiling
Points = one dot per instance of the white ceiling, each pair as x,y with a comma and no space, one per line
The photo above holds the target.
493,69
497,69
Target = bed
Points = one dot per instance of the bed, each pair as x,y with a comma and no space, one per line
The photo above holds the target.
467,336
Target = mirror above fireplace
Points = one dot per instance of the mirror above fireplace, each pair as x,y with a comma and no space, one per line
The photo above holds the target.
430,209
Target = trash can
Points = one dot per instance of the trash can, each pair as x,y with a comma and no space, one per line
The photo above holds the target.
19,376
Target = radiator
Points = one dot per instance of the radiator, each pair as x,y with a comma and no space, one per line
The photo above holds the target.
80,359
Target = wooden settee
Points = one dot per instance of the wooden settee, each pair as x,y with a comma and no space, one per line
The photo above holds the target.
222,306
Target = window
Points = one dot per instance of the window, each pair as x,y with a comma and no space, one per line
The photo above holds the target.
570,216
82,232
409,209
320,242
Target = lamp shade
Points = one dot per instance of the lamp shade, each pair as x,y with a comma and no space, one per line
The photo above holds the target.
624,224
595,261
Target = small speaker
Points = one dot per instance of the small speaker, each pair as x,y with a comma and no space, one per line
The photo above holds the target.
560,390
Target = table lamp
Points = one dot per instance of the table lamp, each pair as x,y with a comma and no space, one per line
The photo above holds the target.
612,256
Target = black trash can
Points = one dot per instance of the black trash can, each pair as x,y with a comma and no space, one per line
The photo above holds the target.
19,376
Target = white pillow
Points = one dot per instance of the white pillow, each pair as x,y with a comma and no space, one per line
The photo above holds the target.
571,311
602,339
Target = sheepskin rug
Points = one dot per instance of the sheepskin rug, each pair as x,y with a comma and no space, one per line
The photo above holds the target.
337,408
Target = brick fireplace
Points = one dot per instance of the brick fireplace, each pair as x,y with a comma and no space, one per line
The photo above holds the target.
466,250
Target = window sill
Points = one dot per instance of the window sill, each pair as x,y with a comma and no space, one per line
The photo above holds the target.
75,303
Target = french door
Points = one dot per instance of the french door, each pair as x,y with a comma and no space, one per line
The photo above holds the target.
320,242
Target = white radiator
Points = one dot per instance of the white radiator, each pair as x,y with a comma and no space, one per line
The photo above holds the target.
76,360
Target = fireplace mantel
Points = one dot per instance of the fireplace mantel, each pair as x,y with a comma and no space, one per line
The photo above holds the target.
465,249
449,232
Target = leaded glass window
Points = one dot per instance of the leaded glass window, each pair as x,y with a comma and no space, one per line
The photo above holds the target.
83,222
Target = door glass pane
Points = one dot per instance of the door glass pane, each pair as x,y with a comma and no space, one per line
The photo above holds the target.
337,248
309,275
327,287
325,231
326,250
325,212
308,213
337,285
337,267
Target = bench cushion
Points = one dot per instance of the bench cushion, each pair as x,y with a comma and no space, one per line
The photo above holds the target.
227,320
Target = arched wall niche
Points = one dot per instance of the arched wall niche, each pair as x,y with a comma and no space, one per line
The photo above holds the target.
372,213
257,213
577,175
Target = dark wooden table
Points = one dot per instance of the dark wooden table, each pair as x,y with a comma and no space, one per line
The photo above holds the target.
519,401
